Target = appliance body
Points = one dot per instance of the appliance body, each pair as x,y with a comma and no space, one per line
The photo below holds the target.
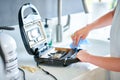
35,40
8,49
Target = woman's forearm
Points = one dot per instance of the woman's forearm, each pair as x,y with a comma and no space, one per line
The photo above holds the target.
108,63
103,21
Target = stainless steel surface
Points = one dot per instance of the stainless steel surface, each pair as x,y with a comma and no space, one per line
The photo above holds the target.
59,28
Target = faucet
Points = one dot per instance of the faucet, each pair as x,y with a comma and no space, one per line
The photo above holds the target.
59,28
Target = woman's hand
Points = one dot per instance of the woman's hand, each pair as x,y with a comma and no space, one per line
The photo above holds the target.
83,56
80,34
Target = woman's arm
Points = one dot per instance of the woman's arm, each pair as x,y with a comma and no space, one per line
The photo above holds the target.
103,21
100,22
109,63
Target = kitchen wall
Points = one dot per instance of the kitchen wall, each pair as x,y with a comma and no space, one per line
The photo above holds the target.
47,9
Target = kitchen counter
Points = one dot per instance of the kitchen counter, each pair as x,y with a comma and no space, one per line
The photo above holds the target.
61,73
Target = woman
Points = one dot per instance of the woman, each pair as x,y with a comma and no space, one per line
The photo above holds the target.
110,63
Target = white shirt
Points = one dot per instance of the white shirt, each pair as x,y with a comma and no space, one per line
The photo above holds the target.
115,40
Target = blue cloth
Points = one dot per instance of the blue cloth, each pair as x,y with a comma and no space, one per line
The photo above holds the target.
81,42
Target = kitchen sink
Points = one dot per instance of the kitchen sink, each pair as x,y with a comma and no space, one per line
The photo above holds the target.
97,47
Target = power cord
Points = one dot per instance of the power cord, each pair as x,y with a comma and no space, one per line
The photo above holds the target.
23,73
46,71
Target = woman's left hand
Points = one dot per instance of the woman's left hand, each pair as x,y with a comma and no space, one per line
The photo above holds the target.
83,56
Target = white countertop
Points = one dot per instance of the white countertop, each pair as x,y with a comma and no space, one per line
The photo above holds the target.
61,73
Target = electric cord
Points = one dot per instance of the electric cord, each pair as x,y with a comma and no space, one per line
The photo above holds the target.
6,28
23,73
46,71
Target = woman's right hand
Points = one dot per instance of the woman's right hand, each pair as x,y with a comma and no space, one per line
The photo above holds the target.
80,34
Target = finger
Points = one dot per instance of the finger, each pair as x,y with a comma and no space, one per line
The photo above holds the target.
79,54
78,39
74,40
84,36
73,36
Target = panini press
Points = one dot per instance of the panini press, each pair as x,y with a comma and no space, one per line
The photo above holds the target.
35,41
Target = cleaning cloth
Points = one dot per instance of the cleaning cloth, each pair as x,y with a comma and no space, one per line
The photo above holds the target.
81,42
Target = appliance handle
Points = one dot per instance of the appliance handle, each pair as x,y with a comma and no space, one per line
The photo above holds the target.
26,6
6,28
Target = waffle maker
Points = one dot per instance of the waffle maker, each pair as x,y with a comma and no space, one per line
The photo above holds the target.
35,41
